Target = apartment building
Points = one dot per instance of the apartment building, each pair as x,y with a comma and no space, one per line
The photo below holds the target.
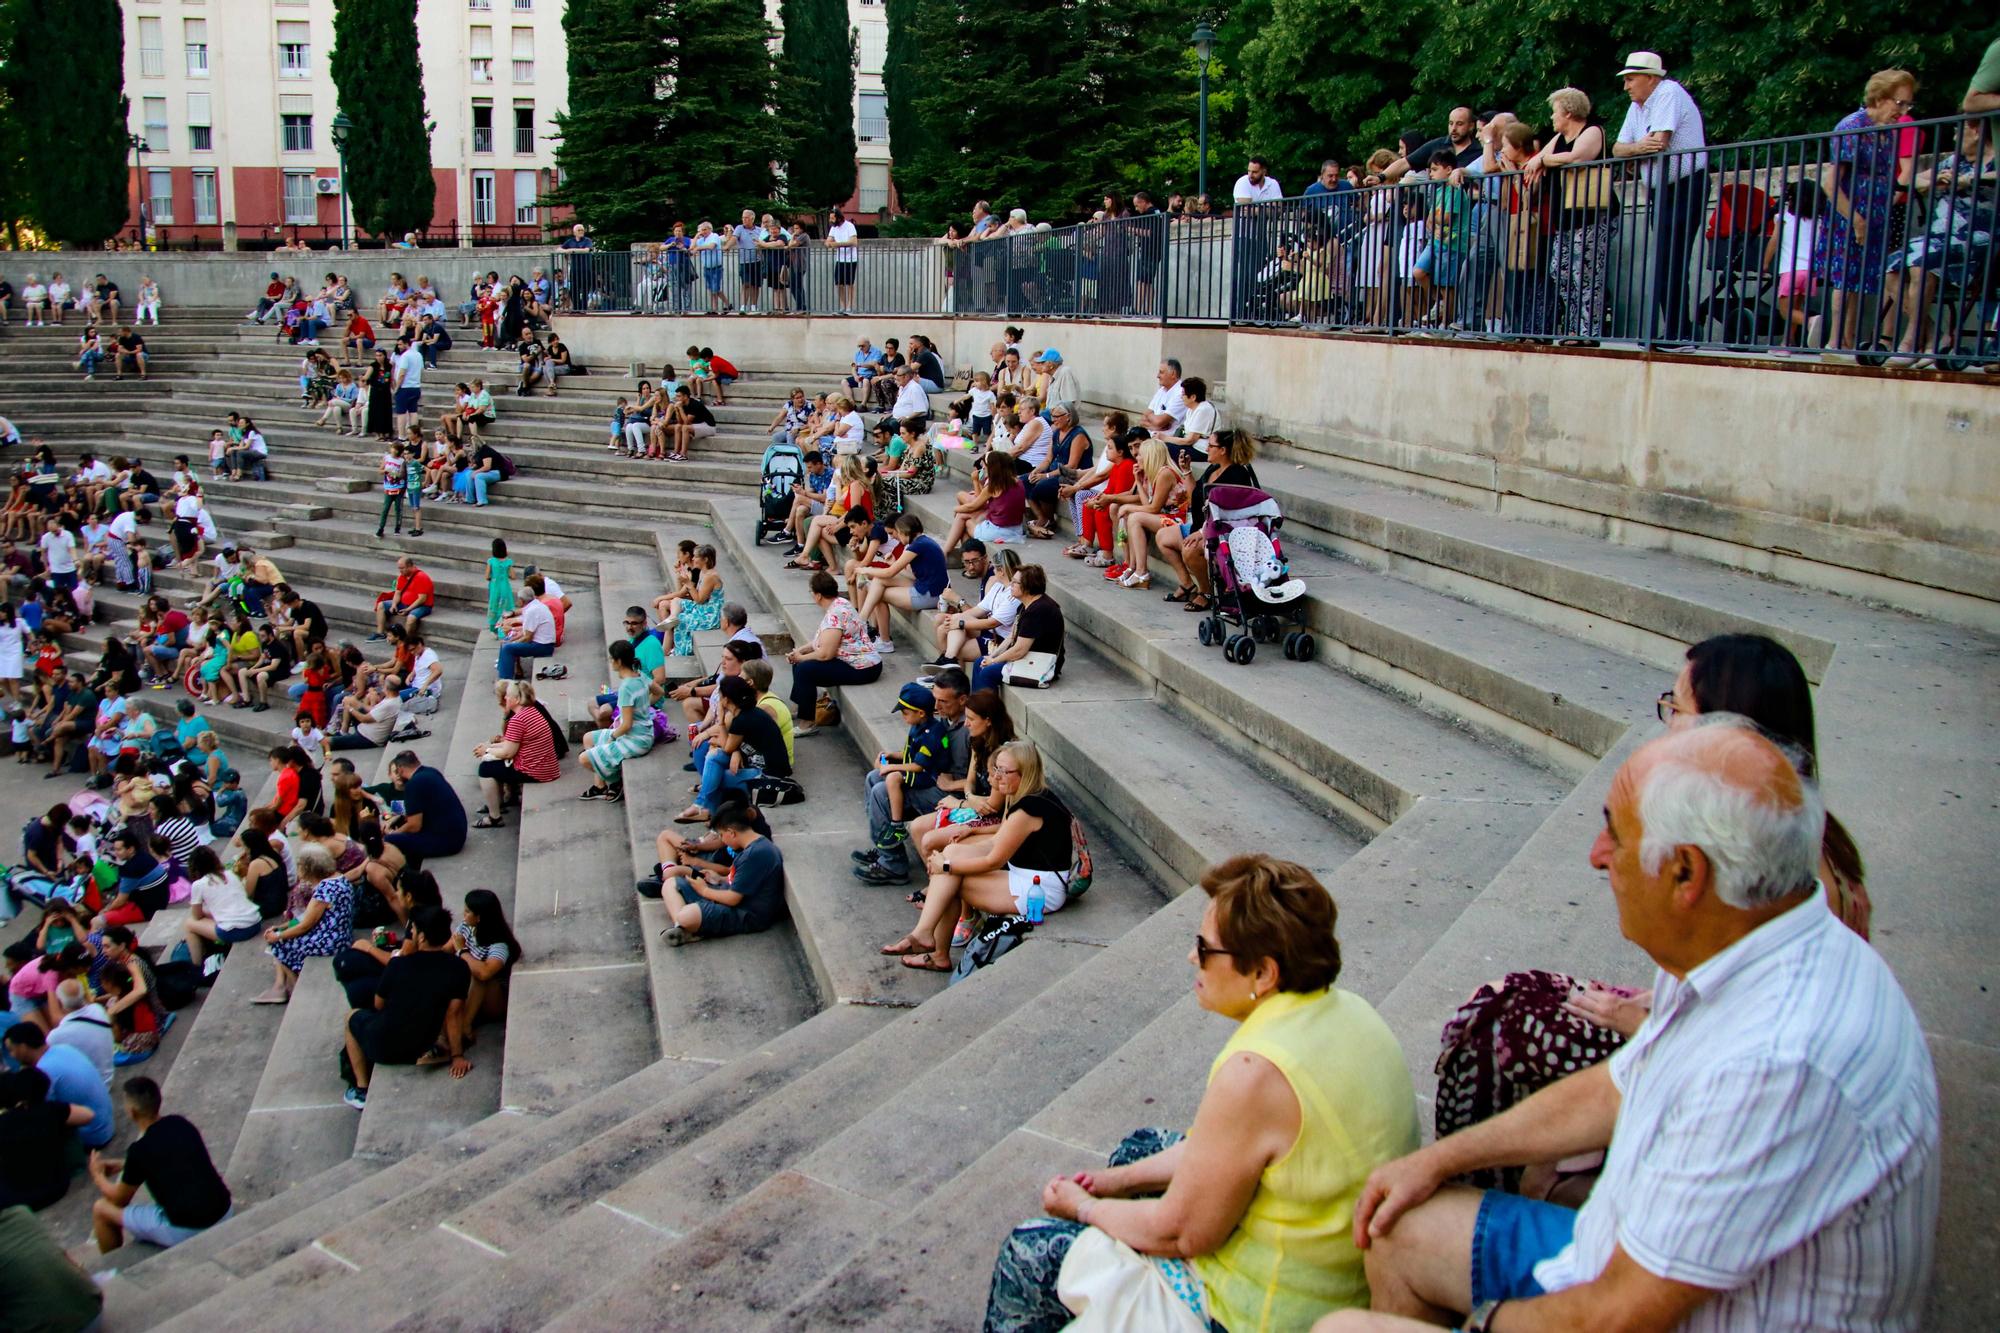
234,102
872,190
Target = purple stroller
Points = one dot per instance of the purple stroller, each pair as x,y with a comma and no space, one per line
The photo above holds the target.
1254,589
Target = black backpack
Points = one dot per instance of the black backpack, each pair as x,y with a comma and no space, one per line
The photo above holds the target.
997,937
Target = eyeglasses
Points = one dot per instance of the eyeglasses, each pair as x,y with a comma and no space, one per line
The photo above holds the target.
1665,706
1203,951
1903,103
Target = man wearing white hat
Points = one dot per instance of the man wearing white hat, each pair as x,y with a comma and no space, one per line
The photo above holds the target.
1663,119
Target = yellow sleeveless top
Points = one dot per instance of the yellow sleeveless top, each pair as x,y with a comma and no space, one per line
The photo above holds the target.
1292,1258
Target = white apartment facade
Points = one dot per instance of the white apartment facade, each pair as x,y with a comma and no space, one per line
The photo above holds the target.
234,101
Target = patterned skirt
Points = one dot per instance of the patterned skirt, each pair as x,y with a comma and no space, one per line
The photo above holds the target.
608,752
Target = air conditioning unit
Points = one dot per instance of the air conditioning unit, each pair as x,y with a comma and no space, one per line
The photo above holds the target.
326,185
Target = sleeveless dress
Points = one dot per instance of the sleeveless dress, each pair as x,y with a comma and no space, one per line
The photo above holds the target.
499,590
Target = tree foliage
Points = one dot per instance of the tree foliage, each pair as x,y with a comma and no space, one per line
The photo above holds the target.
816,98
380,82
670,114
64,85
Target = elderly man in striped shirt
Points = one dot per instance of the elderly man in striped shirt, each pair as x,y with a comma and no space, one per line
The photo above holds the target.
1772,1129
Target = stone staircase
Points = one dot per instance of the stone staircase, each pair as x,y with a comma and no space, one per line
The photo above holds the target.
790,1131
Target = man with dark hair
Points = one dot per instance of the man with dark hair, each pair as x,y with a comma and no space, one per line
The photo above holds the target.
171,1161
433,819
750,898
34,1137
418,1005
72,1079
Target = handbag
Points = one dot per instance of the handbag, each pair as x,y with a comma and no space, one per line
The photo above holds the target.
826,713
1587,189
1110,1286
1033,671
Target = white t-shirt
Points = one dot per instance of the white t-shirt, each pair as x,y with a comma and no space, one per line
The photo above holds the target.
410,365
911,401
381,720
843,236
1669,108
187,506
551,588
538,621
223,898
1243,190
1171,401
59,549
983,402
125,526
420,671
1795,242
1200,421
34,293
847,440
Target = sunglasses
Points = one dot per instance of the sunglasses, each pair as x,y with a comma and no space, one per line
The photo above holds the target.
1203,951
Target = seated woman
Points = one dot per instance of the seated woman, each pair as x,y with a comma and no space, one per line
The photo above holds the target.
913,581
1038,628
1249,1218
219,910
1569,1025
999,871
138,1019
849,500
486,943
841,653
1229,464
526,750
1163,486
628,737
260,866
323,929
988,730
910,469
972,510
963,633
700,608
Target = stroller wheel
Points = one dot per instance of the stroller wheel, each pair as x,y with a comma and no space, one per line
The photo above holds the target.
1264,629
1306,649
1875,355
1206,631
1229,648
1239,649
1292,646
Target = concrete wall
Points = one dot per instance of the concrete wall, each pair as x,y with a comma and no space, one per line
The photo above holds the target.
235,281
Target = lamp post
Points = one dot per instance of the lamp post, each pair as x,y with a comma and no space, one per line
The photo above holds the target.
1204,46
139,148
342,126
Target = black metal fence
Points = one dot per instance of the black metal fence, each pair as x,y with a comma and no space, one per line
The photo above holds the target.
1873,242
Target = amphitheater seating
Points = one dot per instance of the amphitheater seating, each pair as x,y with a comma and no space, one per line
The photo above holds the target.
789,1130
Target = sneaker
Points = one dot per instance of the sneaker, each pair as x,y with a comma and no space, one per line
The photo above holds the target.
877,873
124,1058
865,856
674,936
885,645
355,1097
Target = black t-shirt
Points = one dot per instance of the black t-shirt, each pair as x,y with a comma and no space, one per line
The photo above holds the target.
929,367
698,412
428,794
1227,474
44,843
33,1166
417,990
487,459
106,290
1049,848
145,482
131,342
1420,160
171,1160
314,619
1043,623
310,786
763,743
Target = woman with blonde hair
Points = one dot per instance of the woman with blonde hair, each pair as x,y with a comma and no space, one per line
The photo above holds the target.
1165,488
849,494
1582,214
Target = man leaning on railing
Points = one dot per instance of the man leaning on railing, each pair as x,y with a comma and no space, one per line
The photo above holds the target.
1664,122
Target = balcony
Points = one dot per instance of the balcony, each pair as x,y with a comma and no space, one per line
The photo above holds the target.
524,140
152,62
874,129
872,198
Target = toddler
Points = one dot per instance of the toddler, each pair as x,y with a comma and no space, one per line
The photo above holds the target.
983,400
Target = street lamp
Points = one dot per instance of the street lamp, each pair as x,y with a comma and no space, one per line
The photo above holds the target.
342,126
139,149
1204,46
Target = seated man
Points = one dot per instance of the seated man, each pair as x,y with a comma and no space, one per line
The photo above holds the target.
419,1008
531,634
750,898
433,818
808,501
1772,1128
936,754
72,1079
412,598
35,1127
367,719
129,347
171,1161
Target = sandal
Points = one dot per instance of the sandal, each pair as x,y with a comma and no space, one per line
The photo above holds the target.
435,1056
926,963
798,562
904,948
1077,550
488,821
1041,531
1198,602
914,896
1180,594
1138,578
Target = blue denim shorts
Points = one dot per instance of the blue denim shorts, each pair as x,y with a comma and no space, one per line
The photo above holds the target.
1510,1237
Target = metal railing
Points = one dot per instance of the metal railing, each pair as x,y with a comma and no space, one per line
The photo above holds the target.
1873,242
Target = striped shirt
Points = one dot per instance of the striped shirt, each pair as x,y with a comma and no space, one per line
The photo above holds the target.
1777,1140
536,758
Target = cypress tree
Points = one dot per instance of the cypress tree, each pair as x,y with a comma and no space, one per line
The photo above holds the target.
65,76
619,169
922,54
380,83
720,133
816,93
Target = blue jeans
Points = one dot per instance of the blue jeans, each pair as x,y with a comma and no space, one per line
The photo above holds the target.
717,779
986,675
91,361
512,652
480,481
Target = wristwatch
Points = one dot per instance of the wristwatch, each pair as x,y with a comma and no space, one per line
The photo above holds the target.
1481,1318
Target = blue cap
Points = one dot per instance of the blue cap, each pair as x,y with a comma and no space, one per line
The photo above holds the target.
916,696
1049,354
231,775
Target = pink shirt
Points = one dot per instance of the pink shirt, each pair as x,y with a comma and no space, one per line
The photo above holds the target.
33,982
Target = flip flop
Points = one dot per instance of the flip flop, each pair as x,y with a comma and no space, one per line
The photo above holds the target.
900,949
926,963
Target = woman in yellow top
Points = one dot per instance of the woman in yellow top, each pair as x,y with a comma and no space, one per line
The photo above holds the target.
1249,1219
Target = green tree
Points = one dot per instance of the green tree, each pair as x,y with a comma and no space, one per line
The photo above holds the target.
64,78
816,94
618,169
720,129
380,83
1322,76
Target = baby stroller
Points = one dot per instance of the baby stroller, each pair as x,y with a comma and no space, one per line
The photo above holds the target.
784,467
1254,588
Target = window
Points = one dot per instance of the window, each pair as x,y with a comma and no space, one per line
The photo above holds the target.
524,128
521,5
298,133
482,198
300,204
294,50
482,127
200,136
156,124
874,46
160,194
152,58
524,55
872,191
194,36
524,198
479,4
482,55
206,209
874,121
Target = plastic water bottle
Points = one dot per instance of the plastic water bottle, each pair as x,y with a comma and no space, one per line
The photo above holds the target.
1036,901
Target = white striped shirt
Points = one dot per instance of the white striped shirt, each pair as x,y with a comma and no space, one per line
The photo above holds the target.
1777,1140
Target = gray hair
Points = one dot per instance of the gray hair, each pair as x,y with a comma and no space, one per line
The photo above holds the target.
71,995
1572,102
734,613
315,862
1761,851
518,692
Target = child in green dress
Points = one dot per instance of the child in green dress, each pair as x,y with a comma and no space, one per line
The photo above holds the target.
499,586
